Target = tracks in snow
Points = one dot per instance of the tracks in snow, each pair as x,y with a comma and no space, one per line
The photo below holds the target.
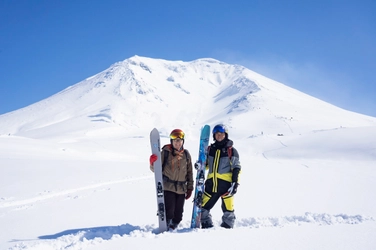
50,195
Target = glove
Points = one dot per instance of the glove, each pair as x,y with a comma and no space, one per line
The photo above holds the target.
152,159
188,194
233,189
197,165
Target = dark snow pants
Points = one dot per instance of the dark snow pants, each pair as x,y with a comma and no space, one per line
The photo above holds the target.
174,205
210,199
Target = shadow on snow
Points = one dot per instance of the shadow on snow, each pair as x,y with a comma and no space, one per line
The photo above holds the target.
104,232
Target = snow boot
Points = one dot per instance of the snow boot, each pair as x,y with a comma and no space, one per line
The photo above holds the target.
206,219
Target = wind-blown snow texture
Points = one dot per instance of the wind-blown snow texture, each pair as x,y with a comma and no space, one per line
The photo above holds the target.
74,168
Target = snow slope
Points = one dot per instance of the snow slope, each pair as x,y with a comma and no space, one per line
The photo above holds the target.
74,167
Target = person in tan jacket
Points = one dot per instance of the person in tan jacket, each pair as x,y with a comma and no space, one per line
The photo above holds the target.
177,177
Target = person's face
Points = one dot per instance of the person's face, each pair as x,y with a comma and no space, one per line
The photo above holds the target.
220,136
177,143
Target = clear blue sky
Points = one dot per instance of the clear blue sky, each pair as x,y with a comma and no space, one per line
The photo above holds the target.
324,48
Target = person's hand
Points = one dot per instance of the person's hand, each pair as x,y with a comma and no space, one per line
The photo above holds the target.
232,190
188,194
197,165
152,159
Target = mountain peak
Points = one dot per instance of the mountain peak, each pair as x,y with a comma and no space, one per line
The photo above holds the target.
140,92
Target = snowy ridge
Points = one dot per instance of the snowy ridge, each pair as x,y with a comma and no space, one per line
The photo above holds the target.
128,93
318,219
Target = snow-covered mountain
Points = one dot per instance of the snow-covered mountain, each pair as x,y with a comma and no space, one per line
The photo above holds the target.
74,169
139,93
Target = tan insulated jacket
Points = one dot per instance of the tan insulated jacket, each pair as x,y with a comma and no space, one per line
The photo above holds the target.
177,170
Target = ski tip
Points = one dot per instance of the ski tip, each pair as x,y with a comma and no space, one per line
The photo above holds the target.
154,131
